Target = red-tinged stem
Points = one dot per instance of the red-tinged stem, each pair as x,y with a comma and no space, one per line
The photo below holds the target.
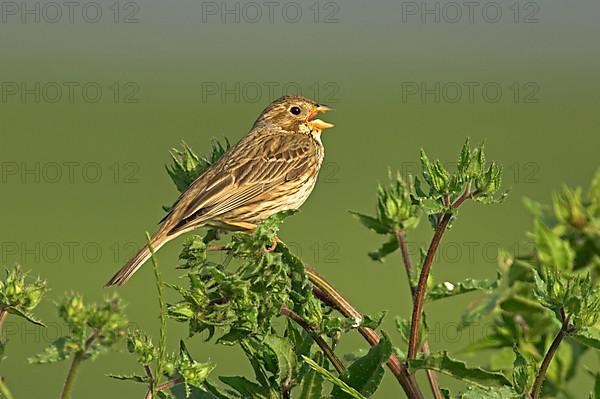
328,294
431,374
333,358
419,298
541,375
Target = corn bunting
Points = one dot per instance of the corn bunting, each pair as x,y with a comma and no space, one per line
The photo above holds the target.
273,168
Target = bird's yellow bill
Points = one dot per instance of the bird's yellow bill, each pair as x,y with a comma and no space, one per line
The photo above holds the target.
318,123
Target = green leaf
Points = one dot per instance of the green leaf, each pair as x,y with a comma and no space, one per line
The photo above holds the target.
479,310
284,352
464,161
594,196
387,248
59,350
312,384
373,322
434,174
130,377
431,206
523,372
333,379
448,289
403,327
371,223
19,294
366,373
444,364
489,393
187,165
27,316
589,337
245,387
217,392
536,208
552,250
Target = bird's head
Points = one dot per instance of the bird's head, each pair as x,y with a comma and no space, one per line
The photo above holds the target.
294,114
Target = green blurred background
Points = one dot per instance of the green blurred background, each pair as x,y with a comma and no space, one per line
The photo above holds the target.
83,177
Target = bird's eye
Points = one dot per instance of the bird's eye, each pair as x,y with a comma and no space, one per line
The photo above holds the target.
295,110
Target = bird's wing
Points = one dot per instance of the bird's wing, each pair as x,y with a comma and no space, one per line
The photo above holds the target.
243,175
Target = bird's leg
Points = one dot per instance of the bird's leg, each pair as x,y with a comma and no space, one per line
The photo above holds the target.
274,243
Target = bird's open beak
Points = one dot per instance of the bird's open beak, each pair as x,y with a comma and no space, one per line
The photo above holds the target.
318,123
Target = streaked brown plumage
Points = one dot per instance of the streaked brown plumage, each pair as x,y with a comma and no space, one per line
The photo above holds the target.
273,168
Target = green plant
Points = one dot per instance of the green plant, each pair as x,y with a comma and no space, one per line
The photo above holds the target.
245,291
92,328
19,296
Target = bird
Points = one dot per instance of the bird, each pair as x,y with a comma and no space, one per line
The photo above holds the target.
271,169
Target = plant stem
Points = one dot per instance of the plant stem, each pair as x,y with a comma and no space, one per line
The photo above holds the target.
72,375
401,238
148,371
3,388
419,298
431,374
4,391
333,358
75,363
3,314
541,375
328,294
168,384
162,315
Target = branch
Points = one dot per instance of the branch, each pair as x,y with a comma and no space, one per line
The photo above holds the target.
148,371
333,298
75,363
541,375
3,314
401,238
4,390
337,363
419,298
431,374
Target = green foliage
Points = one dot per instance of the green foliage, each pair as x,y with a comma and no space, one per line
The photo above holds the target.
337,382
401,204
576,296
475,392
561,275
448,289
187,165
366,373
250,291
245,299
312,385
19,294
93,329
445,364
472,175
523,373
180,367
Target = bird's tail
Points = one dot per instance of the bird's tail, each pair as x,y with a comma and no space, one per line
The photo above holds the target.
137,261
